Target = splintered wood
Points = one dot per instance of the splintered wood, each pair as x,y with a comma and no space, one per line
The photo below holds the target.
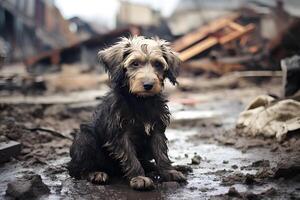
206,37
197,48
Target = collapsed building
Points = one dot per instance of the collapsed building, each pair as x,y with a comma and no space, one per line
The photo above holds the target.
246,36
30,27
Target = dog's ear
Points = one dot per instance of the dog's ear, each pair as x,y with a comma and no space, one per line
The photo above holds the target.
112,57
172,60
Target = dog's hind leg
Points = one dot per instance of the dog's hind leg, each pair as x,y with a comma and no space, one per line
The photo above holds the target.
86,157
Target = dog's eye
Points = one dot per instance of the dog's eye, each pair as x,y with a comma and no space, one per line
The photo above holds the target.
135,63
158,64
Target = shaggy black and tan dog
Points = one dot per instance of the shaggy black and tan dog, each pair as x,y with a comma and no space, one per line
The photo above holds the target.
127,131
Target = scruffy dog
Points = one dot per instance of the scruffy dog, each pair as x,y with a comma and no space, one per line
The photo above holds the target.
127,131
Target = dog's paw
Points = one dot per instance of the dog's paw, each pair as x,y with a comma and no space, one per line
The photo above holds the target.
173,175
98,177
141,183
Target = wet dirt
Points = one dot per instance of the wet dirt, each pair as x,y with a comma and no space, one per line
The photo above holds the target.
201,136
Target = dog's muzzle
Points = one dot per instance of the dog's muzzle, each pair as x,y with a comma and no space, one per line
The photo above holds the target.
148,85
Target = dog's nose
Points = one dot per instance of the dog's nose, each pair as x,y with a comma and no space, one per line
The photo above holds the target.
148,86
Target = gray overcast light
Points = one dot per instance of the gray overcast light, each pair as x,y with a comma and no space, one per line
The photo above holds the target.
105,10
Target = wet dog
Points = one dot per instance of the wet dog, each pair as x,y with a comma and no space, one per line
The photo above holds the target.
127,130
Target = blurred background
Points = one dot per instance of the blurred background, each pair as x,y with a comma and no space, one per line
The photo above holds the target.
32,30
237,142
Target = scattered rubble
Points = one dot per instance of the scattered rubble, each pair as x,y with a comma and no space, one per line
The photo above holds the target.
289,169
42,107
196,160
9,149
233,193
29,187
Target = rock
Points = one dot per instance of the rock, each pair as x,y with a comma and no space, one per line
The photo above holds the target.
28,187
203,189
196,160
270,192
237,177
251,196
234,167
261,163
287,170
183,168
232,192
9,149
225,161
250,179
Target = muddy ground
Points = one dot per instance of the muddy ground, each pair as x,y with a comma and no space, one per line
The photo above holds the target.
201,137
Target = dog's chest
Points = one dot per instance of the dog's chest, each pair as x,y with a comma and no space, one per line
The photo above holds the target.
141,126
148,127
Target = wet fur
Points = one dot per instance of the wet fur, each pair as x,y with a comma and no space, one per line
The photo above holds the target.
127,130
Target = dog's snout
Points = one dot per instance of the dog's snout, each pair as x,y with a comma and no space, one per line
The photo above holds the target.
148,85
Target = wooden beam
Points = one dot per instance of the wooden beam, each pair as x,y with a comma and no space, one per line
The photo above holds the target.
211,41
198,48
202,32
236,34
236,26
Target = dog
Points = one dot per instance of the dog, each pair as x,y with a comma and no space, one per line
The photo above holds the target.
127,130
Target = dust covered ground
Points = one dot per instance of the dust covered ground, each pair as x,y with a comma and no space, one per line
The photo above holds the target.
202,140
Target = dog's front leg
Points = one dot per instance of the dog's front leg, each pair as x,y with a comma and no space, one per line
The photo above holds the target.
160,154
122,150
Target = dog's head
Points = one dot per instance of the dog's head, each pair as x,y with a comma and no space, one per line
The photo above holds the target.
140,64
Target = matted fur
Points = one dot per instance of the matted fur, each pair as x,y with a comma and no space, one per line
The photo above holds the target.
127,130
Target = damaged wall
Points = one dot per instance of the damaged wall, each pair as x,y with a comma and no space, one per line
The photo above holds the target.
32,26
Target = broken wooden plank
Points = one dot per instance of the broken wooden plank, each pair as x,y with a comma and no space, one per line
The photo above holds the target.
236,26
236,34
208,65
201,33
245,74
198,48
9,149
212,41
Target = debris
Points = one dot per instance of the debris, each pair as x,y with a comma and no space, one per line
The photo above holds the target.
232,192
23,84
291,71
269,192
267,117
289,169
183,168
9,149
201,33
261,163
28,187
84,52
196,160
250,179
188,49
21,24
234,167
233,178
